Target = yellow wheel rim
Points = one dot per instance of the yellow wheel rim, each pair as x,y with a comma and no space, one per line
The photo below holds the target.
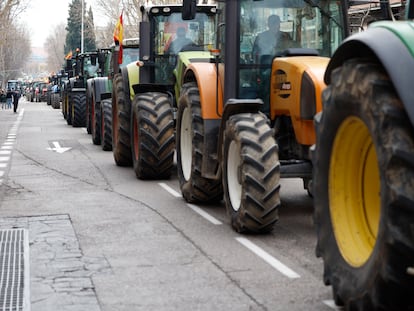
354,191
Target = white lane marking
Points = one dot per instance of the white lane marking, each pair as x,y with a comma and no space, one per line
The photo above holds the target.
278,265
2,165
1,173
58,148
204,214
6,147
8,143
331,304
196,209
4,159
5,152
170,190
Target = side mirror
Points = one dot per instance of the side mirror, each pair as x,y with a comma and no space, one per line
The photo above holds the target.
189,9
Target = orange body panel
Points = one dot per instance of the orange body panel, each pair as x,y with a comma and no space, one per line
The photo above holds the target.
286,88
206,76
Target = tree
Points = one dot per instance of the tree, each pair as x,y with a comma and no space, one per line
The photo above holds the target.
74,27
54,45
14,40
89,32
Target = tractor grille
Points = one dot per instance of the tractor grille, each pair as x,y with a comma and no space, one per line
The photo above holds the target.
14,252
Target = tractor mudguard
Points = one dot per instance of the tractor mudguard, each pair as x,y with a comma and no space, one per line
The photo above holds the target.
127,75
101,90
205,75
370,44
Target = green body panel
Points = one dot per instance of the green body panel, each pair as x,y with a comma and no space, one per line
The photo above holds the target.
403,29
133,77
185,58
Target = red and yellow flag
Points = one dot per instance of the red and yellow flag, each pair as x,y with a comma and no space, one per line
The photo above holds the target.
118,36
69,55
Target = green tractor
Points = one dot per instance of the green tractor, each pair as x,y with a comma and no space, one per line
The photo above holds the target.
364,170
100,96
145,92
85,66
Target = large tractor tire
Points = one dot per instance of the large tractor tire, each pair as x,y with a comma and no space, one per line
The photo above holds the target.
363,190
152,136
69,115
190,140
251,173
90,101
55,99
95,114
79,110
121,115
106,124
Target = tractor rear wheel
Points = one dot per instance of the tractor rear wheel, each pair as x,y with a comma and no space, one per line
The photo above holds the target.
55,100
121,114
95,114
251,173
363,193
106,124
152,136
190,140
79,110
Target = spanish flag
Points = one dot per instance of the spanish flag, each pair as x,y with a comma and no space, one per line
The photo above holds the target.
118,36
69,55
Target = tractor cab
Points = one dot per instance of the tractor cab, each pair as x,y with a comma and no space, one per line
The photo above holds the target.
258,31
164,34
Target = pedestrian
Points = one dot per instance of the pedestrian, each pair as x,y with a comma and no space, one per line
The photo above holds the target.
9,98
16,96
3,99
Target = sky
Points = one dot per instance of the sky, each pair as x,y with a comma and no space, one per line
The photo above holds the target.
42,15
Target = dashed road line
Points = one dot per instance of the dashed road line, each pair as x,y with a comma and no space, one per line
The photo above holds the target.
275,263
8,145
204,214
170,190
331,304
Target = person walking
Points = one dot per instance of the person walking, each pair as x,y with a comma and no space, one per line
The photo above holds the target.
9,98
16,96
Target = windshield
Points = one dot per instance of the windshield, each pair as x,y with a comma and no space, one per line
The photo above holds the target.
172,35
129,55
267,28
306,24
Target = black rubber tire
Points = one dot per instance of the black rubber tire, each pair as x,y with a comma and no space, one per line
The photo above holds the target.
90,100
106,124
152,136
55,99
95,121
362,90
79,110
121,115
69,116
251,173
194,188
65,101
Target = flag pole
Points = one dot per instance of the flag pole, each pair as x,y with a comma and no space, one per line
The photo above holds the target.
82,26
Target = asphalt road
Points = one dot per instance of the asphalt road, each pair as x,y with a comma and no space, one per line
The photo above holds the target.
100,239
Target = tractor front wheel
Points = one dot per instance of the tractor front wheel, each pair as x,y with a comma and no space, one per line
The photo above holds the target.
152,136
363,193
251,173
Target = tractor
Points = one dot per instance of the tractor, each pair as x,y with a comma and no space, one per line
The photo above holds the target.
246,120
145,92
85,66
100,112
364,170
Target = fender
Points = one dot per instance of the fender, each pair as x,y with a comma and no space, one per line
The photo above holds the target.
125,80
396,56
101,90
214,116
211,100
